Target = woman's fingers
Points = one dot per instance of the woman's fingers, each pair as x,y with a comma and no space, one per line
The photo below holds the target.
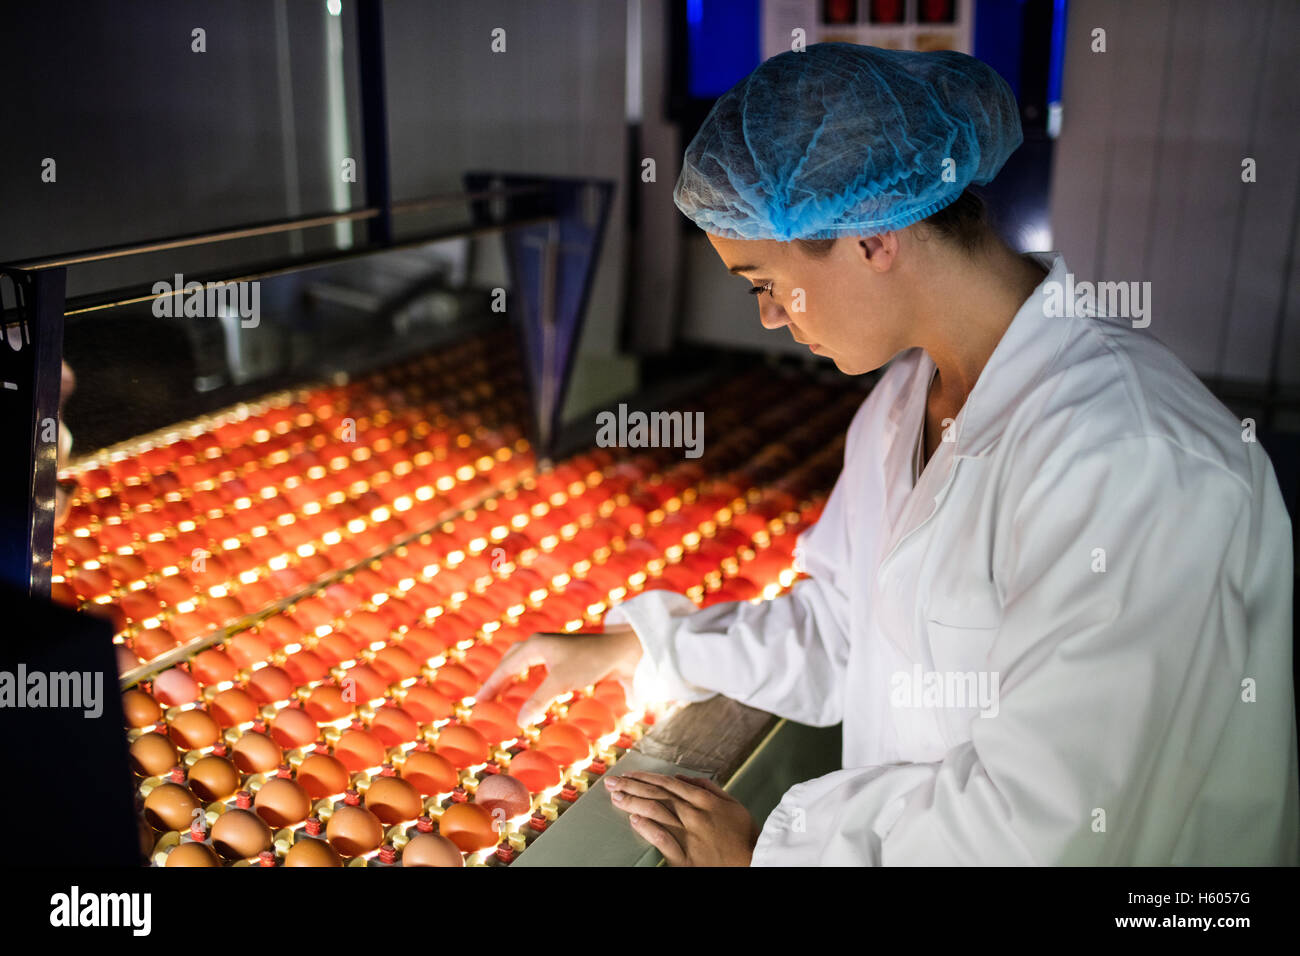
660,811
697,797
516,660
660,838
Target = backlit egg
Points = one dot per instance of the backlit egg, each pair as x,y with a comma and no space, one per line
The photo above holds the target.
149,643
170,806
564,741
431,849
393,800
469,826
365,682
322,775
152,755
495,720
282,802
213,778
256,753
312,852
354,830
394,726
592,717
503,792
270,684
192,854
140,709
194,729
240,834
232,707
175,687
429,773
426,705
535,770
359,749
327,703
292,727
462,746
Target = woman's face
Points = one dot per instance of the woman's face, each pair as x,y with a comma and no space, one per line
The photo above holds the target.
845,305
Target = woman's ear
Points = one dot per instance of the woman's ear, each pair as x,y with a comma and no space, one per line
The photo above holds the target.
878,251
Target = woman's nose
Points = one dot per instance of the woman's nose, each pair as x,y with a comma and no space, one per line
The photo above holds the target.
772,315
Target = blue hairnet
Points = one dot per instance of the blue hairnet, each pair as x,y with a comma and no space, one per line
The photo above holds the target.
845,140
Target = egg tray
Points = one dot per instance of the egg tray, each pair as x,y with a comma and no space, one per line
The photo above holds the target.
188,532
425,621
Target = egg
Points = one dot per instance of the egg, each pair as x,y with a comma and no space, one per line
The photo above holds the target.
212,667
139,709
394,726
152,755
564,741
322,775
469,826
232,707
282,802
327,703
170,806
431,849
256,753
240,834
354,830
503,792
312,852
535,770
593,717
270,684
393,800
427,705
494,720
194,729
292,727
462,746
213,778
175,687
192,854
429,773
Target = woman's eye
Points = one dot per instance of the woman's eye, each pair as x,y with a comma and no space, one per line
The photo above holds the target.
766,287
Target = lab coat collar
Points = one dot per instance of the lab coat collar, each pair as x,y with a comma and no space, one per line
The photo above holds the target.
1021,358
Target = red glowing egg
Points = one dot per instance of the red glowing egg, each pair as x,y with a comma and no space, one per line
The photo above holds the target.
535,770
395,664
462,746
564,741
592,717
422,643
455,681
305,666
495,720
212,667
322,775
292,727
427,705
233,707
270,684
365,681
429,773
327,703
358,749
394,726
150,643
367,627
246,649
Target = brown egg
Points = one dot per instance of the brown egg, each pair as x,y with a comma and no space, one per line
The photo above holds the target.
431,849
354,830
213,778
256,753
232,707
192,854
152,755
282,802
429,773
312,852
322,775
239,834
140,709
170,806
359,749
175,687
293,728
193,729
393,800
505,793
468,826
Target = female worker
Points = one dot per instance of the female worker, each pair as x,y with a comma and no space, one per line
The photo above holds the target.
1036,501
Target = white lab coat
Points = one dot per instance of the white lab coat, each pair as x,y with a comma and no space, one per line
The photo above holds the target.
1101,538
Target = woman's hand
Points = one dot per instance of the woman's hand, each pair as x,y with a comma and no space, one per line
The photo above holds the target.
572,661
690,820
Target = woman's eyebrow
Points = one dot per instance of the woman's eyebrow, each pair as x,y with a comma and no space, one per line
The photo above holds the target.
739,269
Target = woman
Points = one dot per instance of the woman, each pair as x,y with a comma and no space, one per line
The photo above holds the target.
1050,595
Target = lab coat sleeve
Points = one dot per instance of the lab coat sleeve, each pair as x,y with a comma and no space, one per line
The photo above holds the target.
1115,684
786,655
